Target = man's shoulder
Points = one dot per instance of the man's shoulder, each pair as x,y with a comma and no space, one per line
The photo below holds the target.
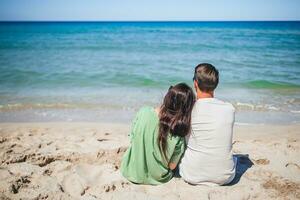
225,104
217,103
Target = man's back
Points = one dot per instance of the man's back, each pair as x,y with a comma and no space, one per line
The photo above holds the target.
208,158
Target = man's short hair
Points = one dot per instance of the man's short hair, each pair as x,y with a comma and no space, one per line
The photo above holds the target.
206,76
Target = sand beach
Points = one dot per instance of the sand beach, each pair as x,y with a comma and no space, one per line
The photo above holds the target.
82,160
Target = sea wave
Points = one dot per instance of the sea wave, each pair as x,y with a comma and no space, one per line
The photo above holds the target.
59,106
242,106
263,84
23,106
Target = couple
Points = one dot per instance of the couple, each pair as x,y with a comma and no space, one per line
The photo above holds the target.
186,135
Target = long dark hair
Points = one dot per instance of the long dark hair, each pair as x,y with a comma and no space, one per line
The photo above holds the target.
175,114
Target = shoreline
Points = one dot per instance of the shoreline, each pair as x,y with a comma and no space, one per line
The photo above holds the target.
125,116
127,124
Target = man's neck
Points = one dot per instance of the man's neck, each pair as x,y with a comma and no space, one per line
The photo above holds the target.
203,95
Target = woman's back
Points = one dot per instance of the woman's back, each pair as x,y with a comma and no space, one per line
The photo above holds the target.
143,162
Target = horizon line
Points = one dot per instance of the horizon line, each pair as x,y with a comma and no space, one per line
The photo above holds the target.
1,21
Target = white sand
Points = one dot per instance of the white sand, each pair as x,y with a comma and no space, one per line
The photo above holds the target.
81,161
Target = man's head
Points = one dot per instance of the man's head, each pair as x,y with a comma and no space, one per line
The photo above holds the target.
206,77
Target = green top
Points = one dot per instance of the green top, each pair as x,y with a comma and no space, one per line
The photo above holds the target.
143,161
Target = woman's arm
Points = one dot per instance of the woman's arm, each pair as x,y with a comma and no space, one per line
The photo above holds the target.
177,154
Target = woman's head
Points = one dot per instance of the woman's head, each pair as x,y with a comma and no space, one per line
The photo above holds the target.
175,113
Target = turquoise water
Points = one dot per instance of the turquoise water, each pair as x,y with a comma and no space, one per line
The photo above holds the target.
107,70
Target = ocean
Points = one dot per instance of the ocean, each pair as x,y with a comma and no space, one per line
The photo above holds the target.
105,71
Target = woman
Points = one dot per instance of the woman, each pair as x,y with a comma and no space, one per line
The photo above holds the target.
157,138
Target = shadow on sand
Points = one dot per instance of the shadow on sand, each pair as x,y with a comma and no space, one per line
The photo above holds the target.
243,164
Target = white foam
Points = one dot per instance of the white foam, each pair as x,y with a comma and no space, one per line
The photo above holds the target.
295,111
247,124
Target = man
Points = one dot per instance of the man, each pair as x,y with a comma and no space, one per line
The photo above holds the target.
208,159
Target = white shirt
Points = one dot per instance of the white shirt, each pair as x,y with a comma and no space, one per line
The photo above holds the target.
208,157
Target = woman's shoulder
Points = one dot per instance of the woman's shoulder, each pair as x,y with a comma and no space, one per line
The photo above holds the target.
146,111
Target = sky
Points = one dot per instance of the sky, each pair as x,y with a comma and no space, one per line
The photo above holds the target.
148,10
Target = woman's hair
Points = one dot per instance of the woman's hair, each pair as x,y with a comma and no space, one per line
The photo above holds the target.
175,114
